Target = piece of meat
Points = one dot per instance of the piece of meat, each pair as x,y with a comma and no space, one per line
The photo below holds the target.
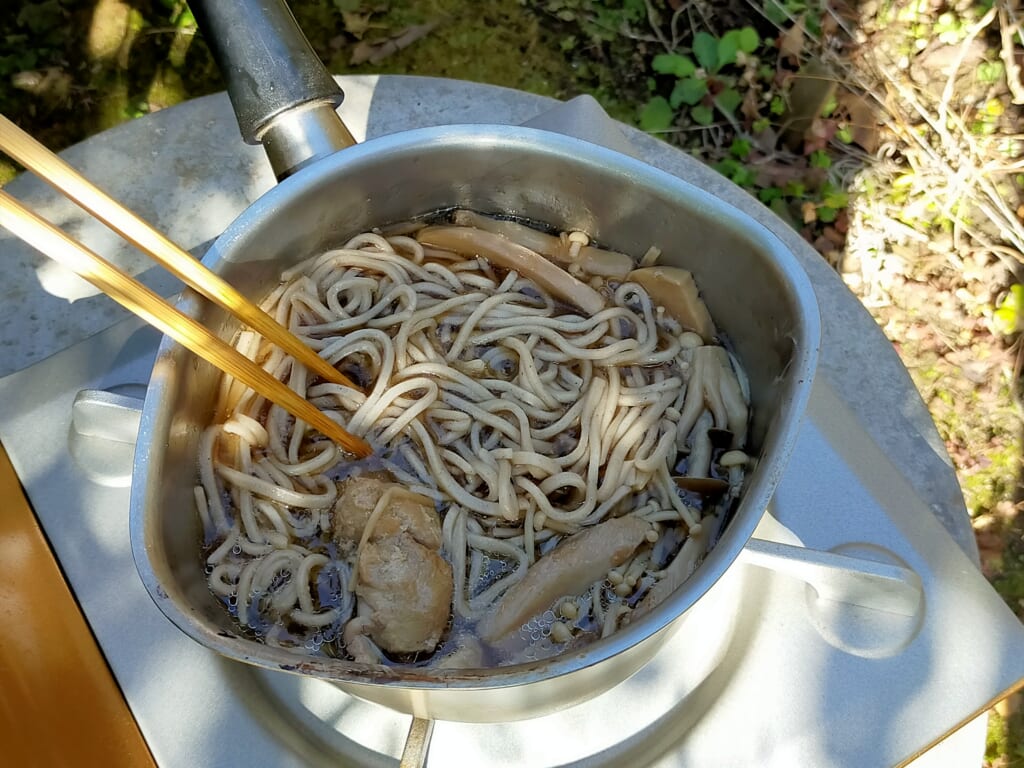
408,589
568,569
357,496
412,513
403,585
405,511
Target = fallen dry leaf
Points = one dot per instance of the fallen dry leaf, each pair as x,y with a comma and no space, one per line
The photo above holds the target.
863,119
791,42
750,108
777,174
810,212
52,84
812,88
818,134
834,236
356,24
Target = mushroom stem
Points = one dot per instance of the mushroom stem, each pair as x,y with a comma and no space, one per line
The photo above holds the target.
680,569
713,382
699,463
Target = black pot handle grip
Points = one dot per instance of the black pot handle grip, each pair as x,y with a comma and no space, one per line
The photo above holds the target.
269,66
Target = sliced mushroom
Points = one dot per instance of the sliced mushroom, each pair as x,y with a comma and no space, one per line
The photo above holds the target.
699,463
570,568
594,261
401,228
468,654
510,255
732,398
676,291
597,261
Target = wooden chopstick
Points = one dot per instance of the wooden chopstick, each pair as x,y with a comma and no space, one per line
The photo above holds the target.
65,179
188,332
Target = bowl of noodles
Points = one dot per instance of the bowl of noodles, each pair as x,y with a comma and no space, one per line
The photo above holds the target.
582,378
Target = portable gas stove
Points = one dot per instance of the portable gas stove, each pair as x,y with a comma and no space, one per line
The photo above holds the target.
792,679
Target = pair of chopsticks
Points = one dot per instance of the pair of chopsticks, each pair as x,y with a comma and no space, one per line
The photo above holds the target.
137,298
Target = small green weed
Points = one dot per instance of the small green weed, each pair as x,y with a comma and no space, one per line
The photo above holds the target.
706,81
726,98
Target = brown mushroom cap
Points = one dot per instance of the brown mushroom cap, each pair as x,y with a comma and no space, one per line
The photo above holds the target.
705,486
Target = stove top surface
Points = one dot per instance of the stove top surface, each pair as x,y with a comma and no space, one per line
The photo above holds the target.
789,679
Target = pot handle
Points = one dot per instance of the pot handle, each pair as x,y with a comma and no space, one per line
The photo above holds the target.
104,430
283,96
844,579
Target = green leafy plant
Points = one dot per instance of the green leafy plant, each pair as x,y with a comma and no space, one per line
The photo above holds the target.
783,13
833,200
731,81
990,72
705,81
656,115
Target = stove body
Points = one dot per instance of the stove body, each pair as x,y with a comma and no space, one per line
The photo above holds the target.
795,679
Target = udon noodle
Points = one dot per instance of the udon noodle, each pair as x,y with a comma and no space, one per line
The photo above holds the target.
548,465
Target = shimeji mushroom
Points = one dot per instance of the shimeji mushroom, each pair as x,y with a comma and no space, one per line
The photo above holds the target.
680,569
698,465
713,383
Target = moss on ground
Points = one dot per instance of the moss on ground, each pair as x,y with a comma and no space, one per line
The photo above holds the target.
994,480
490,41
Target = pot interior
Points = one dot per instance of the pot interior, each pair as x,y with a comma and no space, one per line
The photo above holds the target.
756,292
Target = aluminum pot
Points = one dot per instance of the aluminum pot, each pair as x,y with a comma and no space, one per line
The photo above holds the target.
754,287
